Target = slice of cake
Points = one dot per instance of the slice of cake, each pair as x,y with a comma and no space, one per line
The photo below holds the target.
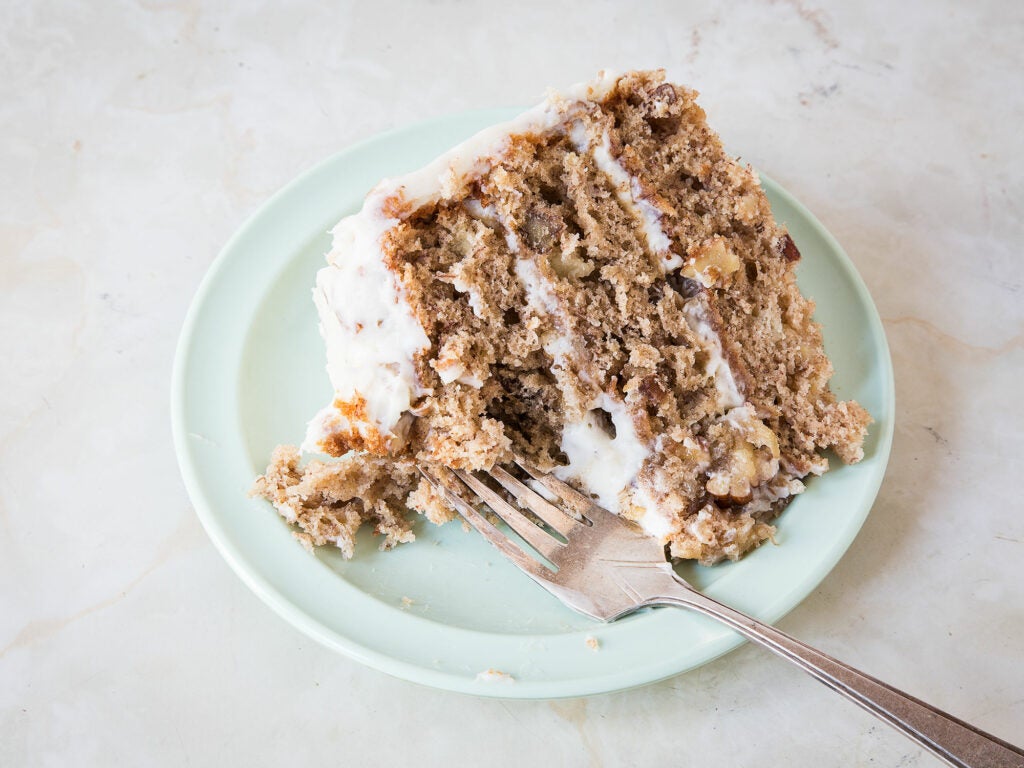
595,286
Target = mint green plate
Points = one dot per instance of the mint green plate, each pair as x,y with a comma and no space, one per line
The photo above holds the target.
249,372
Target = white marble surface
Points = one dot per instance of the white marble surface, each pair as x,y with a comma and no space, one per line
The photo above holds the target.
135,137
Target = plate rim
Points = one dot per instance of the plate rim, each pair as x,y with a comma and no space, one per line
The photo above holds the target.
533,689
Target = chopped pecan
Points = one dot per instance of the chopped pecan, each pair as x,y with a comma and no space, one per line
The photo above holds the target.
789,250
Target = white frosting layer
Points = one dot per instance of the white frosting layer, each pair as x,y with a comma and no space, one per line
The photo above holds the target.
603,464
371,336
695,311
655,519
629,193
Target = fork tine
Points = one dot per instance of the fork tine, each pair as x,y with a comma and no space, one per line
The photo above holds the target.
534,535
587,507
563,490
486,529
558,519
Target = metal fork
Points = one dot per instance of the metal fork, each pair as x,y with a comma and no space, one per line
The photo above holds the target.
606,567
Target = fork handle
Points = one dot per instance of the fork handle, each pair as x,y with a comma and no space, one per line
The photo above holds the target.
958,743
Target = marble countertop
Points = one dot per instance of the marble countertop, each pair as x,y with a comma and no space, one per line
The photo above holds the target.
137,136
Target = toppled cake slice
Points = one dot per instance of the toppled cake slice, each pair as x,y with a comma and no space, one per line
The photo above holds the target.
595,286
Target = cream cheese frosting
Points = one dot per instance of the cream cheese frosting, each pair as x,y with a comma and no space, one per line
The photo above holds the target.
629,193
604,463
371,337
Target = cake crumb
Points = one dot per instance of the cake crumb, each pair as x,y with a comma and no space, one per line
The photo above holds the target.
492,675
407,602
593,643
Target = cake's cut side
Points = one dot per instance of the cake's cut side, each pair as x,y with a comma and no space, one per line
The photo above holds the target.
597,287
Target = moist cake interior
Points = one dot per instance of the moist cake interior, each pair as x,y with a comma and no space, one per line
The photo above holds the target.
596,287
